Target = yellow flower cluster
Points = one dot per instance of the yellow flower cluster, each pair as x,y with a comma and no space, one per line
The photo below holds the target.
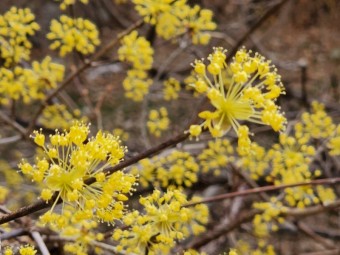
57,116
29,84
319,125
194,252
71,34
124,136
249,95
12,178
269,218
158,121
171,89
71,159
3,194
79,231
257,162
165,221
334,143
290,164
217,156
243,248
15,26
176,169
175,18
23,250
138,51
136,84
65,3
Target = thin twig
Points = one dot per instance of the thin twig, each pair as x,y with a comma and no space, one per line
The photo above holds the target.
83,67
12,139
26,210
220,231
12,123
274,9
319,239
40,242
264,189
312,210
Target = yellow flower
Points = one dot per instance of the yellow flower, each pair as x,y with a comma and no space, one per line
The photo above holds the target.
57,116
165,221
8,251
217,156
137,50
71,34
136,84
65,3
267,220
3,193
73,226
318,124
151,9
178,169
15,26
75,158
171,89
29,84
193,21
250,96
176,18
158,121
27,250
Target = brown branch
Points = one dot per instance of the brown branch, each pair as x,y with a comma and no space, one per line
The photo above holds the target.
273,10
83,67
26,210
304,228
264,189
312,210
13,123
220,231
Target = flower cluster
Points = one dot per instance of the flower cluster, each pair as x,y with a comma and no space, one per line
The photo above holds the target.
3,194
158,121
334,143
29,83
57,116
287,162
136,84
71,34
176,169
138,51
249,96
65,3
164,221
124,136
263,248
175,18
256,163
23,250
269,218
80,232
171,89
72,159
217,156
319,125
15,27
